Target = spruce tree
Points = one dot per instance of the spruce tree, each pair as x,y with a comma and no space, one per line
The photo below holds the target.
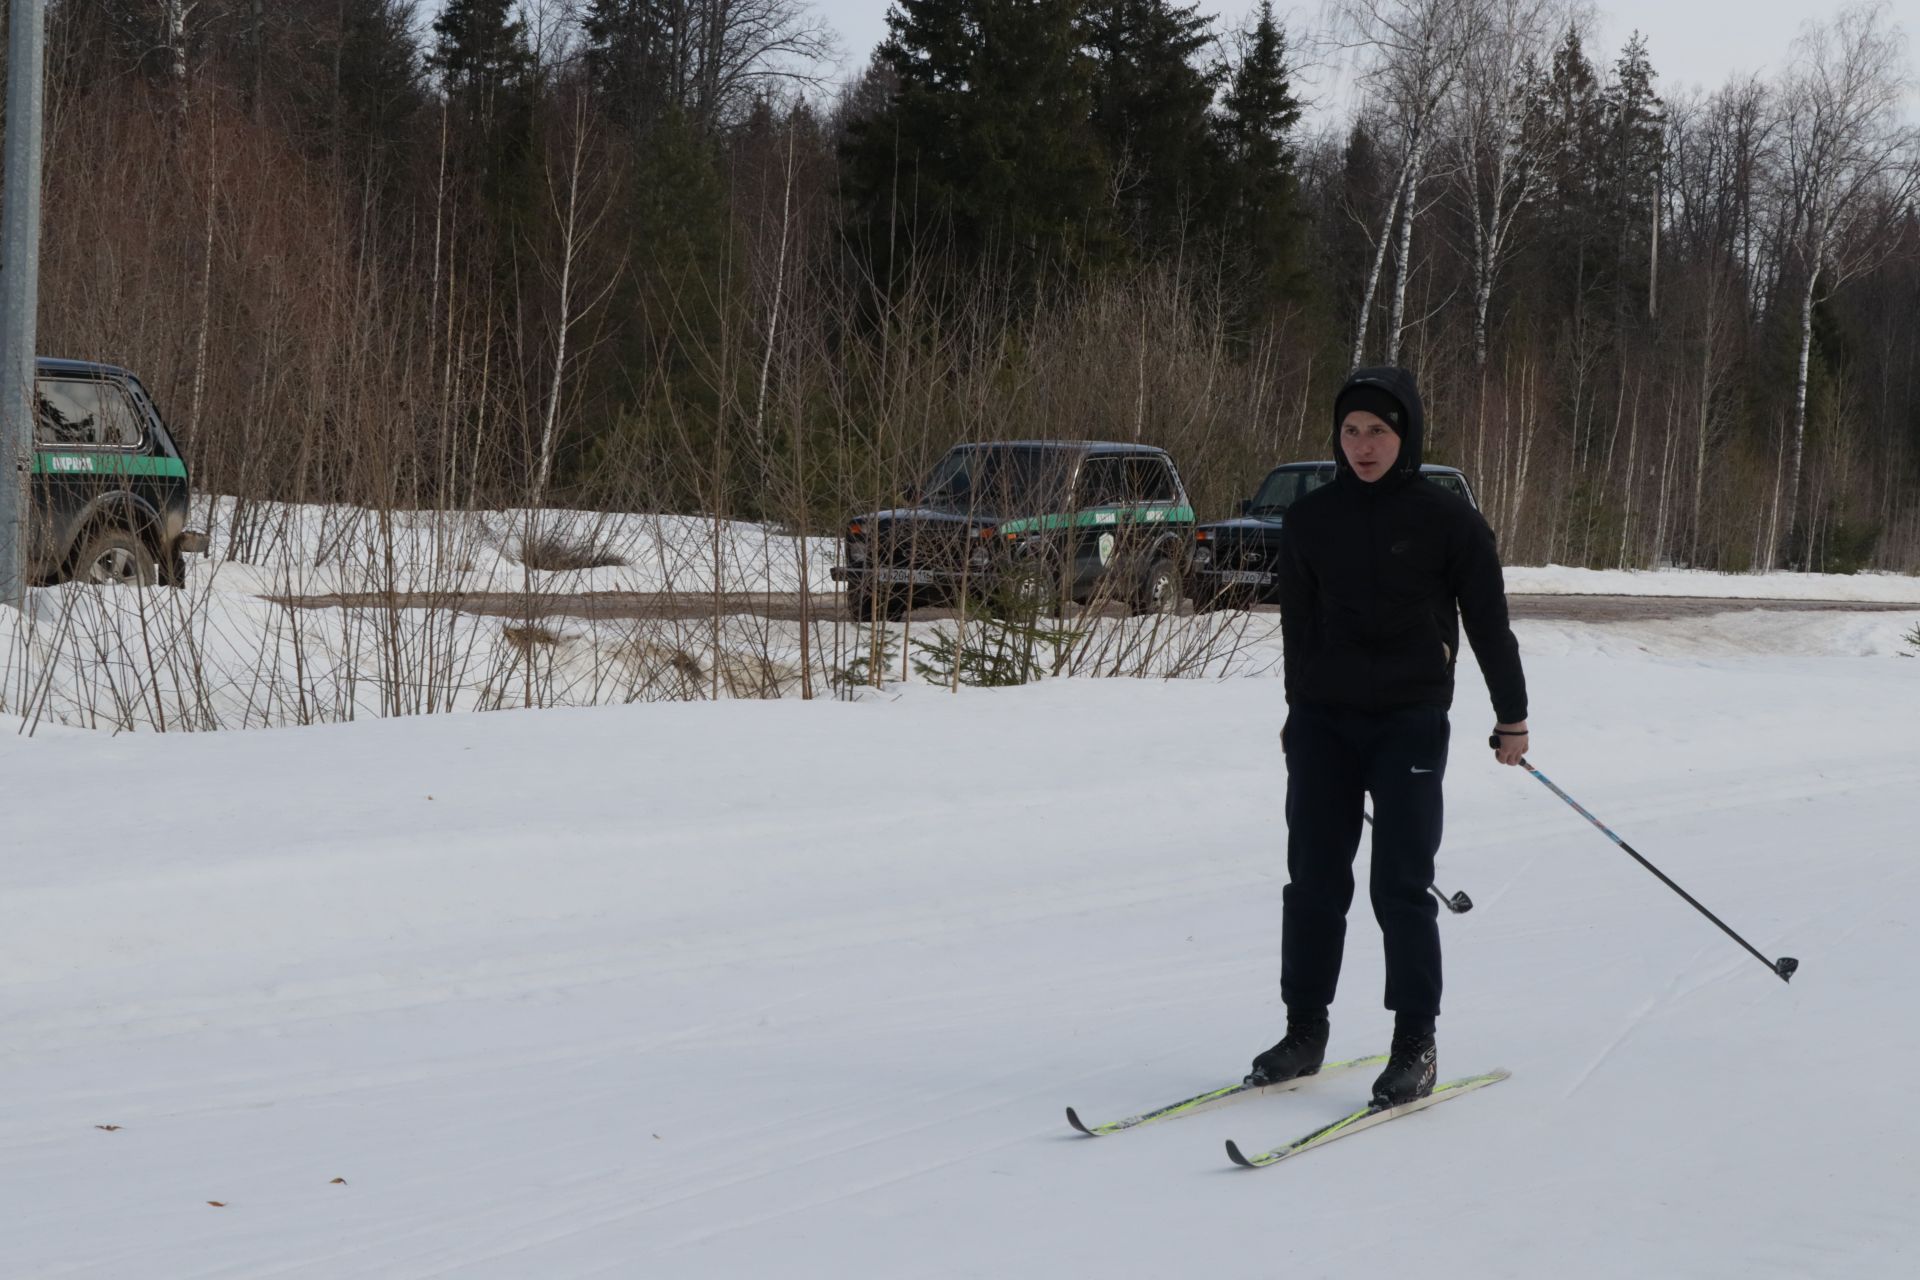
1628,166
1259,190
481,50
984,148
1572,243
626,56
486,70
1150,104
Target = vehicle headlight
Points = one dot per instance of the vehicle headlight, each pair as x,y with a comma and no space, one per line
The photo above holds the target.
981,558
856,552
1202,557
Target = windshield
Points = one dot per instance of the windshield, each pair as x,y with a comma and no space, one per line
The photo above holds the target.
1283,488
999,480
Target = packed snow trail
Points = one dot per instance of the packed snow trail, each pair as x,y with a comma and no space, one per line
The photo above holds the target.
776,989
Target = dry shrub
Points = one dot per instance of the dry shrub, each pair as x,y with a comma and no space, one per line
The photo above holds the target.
552,553
526,636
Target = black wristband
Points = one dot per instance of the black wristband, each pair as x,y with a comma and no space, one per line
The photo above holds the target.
1511,733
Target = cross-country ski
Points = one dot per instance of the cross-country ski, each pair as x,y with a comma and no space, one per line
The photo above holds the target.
1358,1121
1219,1097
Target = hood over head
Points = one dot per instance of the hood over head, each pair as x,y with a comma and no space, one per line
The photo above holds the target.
1372,389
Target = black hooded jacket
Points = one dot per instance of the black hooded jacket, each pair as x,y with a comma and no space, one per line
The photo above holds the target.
1375,580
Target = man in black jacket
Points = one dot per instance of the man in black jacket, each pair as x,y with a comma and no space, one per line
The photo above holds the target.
1378,568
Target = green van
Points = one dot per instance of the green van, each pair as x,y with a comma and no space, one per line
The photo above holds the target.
109,492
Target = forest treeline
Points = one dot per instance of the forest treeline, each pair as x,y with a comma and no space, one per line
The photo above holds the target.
641,255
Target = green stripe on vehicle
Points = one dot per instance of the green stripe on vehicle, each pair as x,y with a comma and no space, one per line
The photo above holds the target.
1099,517
106,464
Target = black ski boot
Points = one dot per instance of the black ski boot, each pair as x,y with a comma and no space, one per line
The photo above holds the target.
1410,1069
1299,1053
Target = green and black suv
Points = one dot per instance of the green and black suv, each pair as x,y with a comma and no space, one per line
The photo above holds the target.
1027,524
1233,560
109,487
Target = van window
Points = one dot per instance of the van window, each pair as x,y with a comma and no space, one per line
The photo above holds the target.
1284,487
1103,483
82,413
1148,480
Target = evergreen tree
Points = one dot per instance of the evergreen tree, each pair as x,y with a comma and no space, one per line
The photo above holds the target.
627,56
1634,124
1259,196
482,55
985,146
1572,240
487,71
357,93
1150,105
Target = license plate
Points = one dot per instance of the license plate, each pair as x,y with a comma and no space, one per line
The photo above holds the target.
917,577
1245,578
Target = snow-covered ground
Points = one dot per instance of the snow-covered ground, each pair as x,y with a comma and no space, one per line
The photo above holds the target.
283,549
1868,588
229,652
274,548
785,989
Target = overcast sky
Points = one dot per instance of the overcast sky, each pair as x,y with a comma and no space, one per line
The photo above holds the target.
1692,42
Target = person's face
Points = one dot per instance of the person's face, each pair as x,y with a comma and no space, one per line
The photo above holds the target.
1370,444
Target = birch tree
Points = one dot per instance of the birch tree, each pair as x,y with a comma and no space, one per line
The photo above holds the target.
1503,146
1417,49
1846,172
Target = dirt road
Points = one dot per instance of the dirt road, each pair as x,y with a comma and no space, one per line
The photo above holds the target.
823,608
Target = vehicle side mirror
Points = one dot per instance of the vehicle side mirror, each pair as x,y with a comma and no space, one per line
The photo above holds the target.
1246,505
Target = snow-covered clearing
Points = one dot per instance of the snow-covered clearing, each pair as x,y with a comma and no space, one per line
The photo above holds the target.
786,989
1869,588
232,651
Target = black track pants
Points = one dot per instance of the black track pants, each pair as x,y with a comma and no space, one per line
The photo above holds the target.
1335,758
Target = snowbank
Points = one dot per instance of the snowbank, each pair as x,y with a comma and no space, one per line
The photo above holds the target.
1553,579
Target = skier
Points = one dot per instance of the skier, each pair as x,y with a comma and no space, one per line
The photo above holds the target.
1372,570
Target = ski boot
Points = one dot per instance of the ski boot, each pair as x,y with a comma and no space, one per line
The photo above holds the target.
1299,1053
1411,1068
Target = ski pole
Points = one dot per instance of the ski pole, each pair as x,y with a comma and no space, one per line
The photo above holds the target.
1458,903
1783,967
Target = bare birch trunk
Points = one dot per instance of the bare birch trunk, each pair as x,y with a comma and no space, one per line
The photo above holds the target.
1800,407
173,36
259,42
1701,413
1403,268
1379,262
1482,297
1626,515
1667,450
569,249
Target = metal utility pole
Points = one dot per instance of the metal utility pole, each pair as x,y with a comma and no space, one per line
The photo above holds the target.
19,283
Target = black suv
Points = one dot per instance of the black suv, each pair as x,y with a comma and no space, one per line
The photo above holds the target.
109,486
1233,560
1028,524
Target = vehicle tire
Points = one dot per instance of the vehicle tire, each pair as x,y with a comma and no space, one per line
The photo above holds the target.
1163,589
1030,591
115,557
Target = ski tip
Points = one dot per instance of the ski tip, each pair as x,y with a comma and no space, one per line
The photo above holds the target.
1074,1120
1786,966
1233,1154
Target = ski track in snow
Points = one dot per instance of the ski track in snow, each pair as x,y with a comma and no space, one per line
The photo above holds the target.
784,990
